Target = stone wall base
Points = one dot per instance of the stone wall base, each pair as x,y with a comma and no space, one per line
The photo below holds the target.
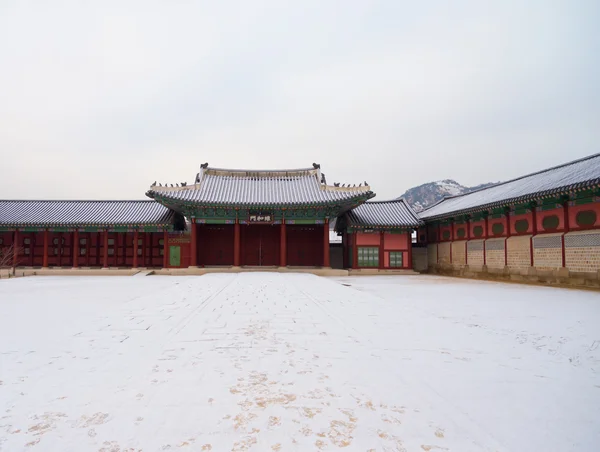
557,277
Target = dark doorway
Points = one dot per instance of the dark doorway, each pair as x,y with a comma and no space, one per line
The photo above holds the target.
305,245
260,245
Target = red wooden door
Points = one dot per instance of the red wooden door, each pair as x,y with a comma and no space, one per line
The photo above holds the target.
260,245
215,243
305,245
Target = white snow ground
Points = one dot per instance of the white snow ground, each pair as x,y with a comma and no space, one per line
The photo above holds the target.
266,361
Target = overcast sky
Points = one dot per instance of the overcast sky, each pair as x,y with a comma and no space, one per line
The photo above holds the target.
99,99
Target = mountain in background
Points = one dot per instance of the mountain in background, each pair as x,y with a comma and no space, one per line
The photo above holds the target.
428,194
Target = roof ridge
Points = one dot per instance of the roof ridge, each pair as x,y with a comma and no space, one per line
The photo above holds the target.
535,173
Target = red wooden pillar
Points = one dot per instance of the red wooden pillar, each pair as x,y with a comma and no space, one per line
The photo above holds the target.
45,258
355,250
282,245
193,245
485,236
567,229
135,248
15,248
507,216
534,229
326,262
451,238
468,236
105,249
236,243
75,248
165,249
381,250
409,263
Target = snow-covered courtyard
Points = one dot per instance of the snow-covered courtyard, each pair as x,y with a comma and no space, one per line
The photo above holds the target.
296,362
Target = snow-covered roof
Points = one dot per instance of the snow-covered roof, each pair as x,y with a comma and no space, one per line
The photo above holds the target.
387,214
305,186
76,213
578,174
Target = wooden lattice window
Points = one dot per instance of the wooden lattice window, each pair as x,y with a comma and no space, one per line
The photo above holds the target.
368,256
396,258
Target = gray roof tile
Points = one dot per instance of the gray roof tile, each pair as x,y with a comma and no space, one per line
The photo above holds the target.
260,187
578,174
74,213
387,214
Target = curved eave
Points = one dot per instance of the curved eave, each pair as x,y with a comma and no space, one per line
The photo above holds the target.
569,189
170,202
81,225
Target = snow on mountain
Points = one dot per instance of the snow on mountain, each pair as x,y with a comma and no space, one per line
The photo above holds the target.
426,195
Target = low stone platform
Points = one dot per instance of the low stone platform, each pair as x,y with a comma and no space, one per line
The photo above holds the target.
114,271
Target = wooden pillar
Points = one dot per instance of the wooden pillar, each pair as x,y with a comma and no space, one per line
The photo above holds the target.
485,236
75,248
355,250
381,250
468,226
45,258
326,262
105,250
15,247
135,247
236,243
507,216
451,238
165,249
409,263
282,244
534,230
193,245
567,229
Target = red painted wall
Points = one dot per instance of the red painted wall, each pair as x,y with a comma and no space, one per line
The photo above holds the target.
492,222
574,210
473,225
446,230
541,214
368,238
525,216
457,228
395,241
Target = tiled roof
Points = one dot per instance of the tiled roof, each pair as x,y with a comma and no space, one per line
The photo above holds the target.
74,213
575,175
260,188
387,214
